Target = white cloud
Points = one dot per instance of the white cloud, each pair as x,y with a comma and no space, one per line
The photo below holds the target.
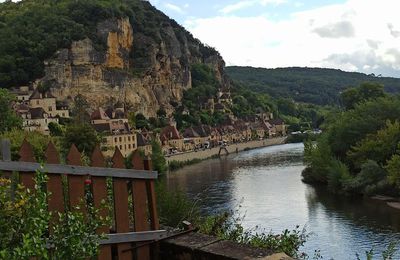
248,3
236,6
358,35
274,2
174,8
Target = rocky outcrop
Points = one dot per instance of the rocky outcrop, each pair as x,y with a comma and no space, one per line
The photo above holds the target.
145,72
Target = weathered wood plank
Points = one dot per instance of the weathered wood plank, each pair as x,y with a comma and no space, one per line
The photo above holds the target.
54,184
139,194
26,155
134,237
121,207
78,170
99,194
76,184
151,196
6,156
5,150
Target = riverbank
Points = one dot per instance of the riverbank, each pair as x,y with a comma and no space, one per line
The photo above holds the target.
209,153
265,184
390,201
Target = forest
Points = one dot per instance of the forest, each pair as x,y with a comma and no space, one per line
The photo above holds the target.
308,85
359,149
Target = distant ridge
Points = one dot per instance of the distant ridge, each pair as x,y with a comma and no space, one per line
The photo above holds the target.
310,85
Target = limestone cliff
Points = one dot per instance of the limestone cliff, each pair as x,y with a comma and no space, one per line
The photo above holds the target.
144,71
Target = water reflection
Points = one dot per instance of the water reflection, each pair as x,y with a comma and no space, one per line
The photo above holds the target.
266,183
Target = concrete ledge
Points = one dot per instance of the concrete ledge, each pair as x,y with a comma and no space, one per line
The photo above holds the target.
197,246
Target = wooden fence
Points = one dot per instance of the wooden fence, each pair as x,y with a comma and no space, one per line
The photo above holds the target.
126,240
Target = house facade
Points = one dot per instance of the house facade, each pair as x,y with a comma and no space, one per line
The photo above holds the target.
116,132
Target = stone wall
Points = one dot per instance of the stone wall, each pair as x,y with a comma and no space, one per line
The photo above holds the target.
204,154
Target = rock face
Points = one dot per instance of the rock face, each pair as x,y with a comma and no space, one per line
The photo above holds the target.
144,72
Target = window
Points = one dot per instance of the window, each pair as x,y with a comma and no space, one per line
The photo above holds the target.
120,139
120,147
129,146
37,102
129,138
50,108
116,139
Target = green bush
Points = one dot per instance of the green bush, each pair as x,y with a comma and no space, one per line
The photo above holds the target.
24,226
228,226
175,207
157,157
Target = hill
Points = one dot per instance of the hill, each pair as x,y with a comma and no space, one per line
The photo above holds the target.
110,51
309,85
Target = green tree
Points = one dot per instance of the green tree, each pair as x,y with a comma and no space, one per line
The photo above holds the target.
366,91
37,140
393,168
55,129
83,136
157,157
141,121
350,127
132,119
8,118
379,146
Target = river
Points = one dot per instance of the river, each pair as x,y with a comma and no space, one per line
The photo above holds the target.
264,186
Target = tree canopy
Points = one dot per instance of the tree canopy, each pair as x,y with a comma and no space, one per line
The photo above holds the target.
8,118
359,148
306,85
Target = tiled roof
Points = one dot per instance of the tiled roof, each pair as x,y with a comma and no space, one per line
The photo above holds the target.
37,95
99,114
276,121
37,113
101,128
170,132
141,140
190,133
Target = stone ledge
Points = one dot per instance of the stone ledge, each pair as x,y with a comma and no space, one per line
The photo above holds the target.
198,246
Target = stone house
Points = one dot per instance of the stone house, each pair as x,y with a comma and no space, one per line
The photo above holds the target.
35,119
116,132
144,143
23,93
191,139
280,127
171,139
48,102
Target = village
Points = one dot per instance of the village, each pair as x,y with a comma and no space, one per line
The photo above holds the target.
40,110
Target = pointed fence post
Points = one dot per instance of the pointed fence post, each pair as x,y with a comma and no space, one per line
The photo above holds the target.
139,195
151,195
121,206
76,185
26,155
99,185
54,183
5,150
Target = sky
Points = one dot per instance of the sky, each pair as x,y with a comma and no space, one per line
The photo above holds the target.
352,35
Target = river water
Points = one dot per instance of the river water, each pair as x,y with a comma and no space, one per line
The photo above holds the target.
264,186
